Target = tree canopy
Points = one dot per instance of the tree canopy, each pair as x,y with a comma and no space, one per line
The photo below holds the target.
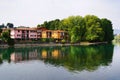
2,26
6,38
89,28
8,25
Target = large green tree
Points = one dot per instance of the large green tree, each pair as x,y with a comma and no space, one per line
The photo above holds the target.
108,30
52,25
94,31
6,38
75,26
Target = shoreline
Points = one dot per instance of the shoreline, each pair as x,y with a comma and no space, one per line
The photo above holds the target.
50,44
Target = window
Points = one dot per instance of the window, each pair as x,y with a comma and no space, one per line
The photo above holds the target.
62,33
33,31
18,35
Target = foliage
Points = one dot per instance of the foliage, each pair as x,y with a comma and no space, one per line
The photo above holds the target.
117,38
47,40
6,38
88,28
108,30
94,30
10,42
10,25
5,35
75,27
52,25
38,25
63,41
43,40
51,40
75,34
0,30
2,26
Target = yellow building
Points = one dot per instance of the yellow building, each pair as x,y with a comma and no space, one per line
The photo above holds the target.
46,34
55,34
59,34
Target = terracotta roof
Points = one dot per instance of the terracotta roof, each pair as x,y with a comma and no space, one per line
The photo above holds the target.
54,31
59,31
26,28
41,28
47,30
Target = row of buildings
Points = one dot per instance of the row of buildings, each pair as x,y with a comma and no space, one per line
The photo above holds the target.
26,33
34,55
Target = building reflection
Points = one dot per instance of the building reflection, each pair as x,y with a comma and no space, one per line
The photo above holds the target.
44,54
56,54
71,57
20,56
34,55
53,54
16,57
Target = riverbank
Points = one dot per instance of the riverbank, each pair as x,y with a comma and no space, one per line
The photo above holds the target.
50,44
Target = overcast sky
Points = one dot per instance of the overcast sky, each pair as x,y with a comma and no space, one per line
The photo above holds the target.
33,12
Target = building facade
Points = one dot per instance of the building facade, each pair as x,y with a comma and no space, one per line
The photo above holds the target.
26,33
37,33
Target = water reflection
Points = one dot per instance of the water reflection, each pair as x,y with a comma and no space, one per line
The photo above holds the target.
74,58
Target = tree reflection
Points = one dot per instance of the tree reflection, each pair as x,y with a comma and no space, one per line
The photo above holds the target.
74,58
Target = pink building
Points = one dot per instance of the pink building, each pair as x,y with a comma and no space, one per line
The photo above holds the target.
16,57
26,33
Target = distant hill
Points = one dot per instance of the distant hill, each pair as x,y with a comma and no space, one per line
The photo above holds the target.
116,31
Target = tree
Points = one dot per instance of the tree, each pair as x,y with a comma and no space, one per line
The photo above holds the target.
94,31
10,25
2,26
10,42
75,37
117,38
6,37
75,26
38,25
52,25
108,30
88,28
0,30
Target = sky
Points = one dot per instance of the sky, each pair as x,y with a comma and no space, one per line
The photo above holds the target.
33,12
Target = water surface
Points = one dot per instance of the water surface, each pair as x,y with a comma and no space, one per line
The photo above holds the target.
97,62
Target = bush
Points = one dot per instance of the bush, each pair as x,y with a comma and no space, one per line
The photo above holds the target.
63,41
10,42
51,40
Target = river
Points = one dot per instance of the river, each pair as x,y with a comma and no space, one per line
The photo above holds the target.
95,62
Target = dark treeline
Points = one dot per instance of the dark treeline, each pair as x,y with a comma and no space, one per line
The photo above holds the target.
89,28
8,25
